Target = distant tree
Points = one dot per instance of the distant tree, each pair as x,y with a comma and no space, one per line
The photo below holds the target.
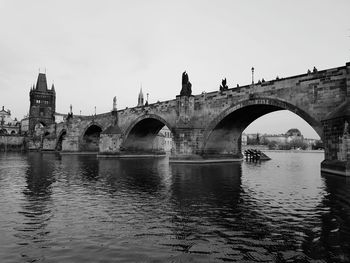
285,146
318,145
251,141
298,144
263,140
273,145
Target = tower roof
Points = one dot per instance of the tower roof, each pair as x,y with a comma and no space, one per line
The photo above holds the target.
41,83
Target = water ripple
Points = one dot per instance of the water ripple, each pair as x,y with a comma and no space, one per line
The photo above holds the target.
80,209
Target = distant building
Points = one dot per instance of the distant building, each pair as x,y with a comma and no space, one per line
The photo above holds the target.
312,142
294,134
291,139
279,138
290,135
244,139
60,117
7,124
25,125
42,104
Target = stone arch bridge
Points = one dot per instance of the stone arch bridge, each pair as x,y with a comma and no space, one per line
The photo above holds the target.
208,126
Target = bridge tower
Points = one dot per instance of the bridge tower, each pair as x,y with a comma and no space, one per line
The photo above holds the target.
42,104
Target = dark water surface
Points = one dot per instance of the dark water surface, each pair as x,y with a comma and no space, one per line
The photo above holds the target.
80,209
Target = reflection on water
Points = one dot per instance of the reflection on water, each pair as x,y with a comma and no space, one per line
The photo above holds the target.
81,209
35,208
335,231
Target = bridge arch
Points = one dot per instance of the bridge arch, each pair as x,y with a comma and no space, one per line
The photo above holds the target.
39,126
90,137
60,139
142,134
223,134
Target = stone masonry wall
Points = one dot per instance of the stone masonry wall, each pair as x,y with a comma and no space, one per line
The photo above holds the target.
333,132
11,143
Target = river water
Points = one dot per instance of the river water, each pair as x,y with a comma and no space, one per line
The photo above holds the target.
81,209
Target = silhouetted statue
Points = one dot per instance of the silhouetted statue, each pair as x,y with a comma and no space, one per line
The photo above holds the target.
223,85
115,103
186,86
184,78
70,113
69,116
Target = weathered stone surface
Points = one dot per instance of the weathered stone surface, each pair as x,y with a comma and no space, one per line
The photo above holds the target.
110,143
12,143
336,139
49,144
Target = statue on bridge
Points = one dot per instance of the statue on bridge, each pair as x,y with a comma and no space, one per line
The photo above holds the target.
70,113
115,103
223,85
186,85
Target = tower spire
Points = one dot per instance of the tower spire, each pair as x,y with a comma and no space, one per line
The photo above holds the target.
140,99
41,83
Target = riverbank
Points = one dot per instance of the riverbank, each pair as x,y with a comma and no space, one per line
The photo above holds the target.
296,151
265,148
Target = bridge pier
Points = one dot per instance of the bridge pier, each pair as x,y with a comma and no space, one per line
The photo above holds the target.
110,141
186,146
337,141
49,143
71,143
189,144
223,143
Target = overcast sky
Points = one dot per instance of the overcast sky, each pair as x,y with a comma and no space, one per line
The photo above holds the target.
95,50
